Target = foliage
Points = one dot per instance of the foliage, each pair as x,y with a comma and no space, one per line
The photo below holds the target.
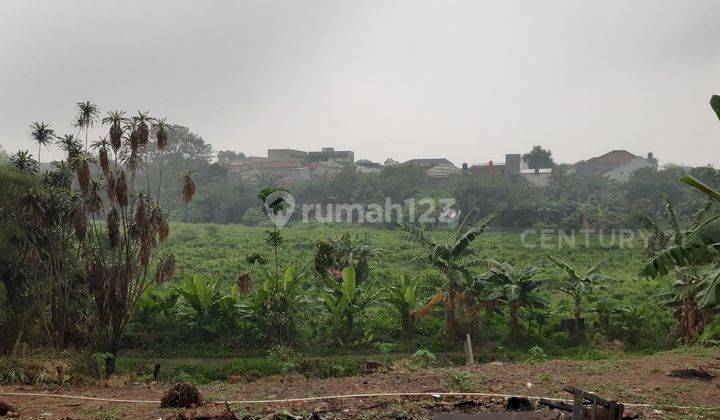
403,297
577,285
538,158
454,260
345,303
513,287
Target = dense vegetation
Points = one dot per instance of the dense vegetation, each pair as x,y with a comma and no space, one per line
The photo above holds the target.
91,260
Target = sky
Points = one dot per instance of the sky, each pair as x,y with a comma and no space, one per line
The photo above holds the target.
467,80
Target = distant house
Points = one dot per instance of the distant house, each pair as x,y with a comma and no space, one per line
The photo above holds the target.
537,177
236,166
489,169
429,163
287,172
286,155
367,167
442,171
617,165
324,170
514,165
329,154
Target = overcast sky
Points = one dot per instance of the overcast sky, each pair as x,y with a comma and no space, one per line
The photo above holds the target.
466,80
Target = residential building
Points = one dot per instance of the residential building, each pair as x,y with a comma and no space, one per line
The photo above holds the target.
367,167
324,170
236,166
429,163
442,171
489,169
537,177
618,165
287,172
286,155
329,154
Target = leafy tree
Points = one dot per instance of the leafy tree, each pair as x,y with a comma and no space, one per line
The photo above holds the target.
514,287
578,284
539,158
454,260
226,156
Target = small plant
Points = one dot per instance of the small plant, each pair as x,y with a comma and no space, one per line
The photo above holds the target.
461,381
537,355
423,358
286,358
386,347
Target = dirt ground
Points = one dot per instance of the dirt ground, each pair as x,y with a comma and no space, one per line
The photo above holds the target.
634,380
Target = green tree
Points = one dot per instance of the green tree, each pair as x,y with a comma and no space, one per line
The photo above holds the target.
539,158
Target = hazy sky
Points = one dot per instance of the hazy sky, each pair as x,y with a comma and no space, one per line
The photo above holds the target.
467,80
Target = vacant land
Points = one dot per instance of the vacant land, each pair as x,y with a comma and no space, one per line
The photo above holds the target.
641,382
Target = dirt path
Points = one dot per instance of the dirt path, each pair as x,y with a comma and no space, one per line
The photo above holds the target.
637,380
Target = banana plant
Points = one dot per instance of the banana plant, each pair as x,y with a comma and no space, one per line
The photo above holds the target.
275,301
403,296
700,244
206,301
577,285
155,302
454,259
511,286
345,303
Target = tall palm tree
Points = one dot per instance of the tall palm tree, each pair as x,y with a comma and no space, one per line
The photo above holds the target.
577,284
514,287
88,114
42,134
453,259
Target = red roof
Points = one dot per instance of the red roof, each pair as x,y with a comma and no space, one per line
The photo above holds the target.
616,157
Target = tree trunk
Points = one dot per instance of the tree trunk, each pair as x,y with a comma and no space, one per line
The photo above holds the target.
514,321
577,335
451,313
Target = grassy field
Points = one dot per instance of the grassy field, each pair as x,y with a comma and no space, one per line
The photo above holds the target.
219,251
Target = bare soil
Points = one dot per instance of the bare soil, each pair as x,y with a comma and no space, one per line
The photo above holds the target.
631,380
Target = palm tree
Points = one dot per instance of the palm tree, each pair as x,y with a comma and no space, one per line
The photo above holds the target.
69,144
577,284
117,121
511,286
102,147
42,134
88,114
454,260
23,162
161,129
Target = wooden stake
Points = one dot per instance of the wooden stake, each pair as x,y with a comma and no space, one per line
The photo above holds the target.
469,359
61,373
156,372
